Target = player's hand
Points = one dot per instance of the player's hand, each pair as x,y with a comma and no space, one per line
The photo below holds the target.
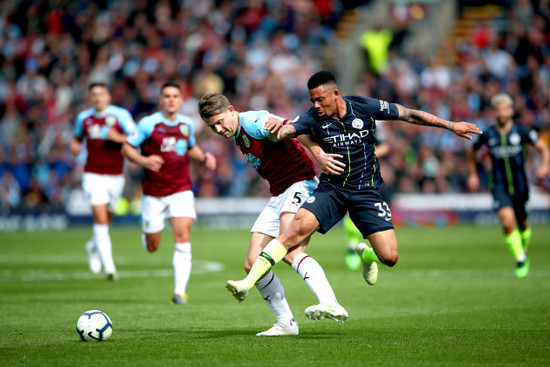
463,128
209,161
329,164
541,172
272,126
154,163
473,182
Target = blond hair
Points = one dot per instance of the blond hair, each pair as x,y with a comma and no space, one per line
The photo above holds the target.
502,98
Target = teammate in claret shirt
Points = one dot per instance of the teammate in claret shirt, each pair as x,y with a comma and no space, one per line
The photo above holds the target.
508,183
167,142
344,126
104,127
291,176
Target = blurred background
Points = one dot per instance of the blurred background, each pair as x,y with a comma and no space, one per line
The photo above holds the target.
441,56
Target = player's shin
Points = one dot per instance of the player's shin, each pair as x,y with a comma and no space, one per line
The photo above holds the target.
272,254
369,256
314,276
513,241
274,295
526,238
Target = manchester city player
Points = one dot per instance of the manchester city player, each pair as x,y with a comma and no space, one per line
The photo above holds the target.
507,141
345,126
291,176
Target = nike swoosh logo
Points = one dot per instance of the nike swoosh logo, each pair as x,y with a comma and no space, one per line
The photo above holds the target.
327,125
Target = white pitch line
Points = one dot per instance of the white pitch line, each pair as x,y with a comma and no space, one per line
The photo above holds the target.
41,275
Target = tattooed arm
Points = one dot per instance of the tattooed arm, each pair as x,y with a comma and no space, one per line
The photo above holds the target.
418,117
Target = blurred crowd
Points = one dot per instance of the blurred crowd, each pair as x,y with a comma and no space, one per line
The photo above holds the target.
258,52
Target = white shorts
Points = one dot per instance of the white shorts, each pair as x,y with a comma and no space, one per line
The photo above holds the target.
157,210
291,200
103,189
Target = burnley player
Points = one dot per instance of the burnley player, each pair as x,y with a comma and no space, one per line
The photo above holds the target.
291,176
167,142
507,141
344,125
104,127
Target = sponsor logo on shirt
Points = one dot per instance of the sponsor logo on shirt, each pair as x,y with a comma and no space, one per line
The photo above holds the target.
346,139
168,144
384,106
506,151
253,160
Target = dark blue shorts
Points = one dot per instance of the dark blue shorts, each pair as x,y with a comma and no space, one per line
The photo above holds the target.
517,202
367,209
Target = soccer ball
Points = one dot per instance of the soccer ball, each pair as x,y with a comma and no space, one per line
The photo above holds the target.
94,325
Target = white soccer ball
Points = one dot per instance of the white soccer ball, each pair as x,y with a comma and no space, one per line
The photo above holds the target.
94,325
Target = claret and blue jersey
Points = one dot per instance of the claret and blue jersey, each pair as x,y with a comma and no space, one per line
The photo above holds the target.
352,136
507,151
104,156
280,163
170,140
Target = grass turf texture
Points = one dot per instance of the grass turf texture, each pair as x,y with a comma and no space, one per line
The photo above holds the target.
452,300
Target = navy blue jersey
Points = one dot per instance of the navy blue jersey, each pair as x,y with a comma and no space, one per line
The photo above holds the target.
507,153
353,136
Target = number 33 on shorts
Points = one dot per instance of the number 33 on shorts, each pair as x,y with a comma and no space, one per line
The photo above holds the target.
383,210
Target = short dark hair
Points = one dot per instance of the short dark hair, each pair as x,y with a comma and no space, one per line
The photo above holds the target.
97,84
170,84
321,78
212,104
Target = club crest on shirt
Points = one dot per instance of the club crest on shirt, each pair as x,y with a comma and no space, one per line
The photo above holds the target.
357,123
110,120
184,130
246,141
310,199
515,139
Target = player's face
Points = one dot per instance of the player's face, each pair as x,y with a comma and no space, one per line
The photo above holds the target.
100,98
324,99
224,124
170,99
503,112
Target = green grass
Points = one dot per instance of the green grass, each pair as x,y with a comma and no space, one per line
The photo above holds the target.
452,300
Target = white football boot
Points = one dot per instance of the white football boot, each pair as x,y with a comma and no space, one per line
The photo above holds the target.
370,270
321,311
94,261
239,289
281,330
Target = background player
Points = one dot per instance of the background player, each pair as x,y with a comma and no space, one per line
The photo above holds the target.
105,128
506,141
291,176
344,125
167,142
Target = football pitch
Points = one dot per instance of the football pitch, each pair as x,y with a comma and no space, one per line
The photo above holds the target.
452,300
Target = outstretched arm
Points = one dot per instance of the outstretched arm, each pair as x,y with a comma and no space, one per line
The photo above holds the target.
327,161
277,131
418,117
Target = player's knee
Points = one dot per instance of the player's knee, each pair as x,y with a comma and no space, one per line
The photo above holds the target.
390,259
152,246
